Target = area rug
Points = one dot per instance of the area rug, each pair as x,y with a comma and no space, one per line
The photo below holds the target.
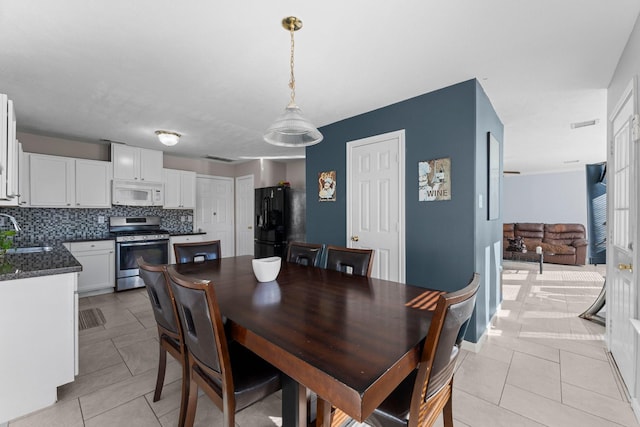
90,318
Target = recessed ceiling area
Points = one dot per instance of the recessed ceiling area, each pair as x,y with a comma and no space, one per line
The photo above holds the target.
217,72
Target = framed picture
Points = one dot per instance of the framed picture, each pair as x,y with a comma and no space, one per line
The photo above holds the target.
327,186
434,180
493,177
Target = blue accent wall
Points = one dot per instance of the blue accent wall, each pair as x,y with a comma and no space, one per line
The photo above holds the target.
442,243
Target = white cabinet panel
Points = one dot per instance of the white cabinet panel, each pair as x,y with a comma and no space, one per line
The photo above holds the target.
93,189
42,355
136,164
98,265
8,153
179,189
52,181
56,181
151,165
125,161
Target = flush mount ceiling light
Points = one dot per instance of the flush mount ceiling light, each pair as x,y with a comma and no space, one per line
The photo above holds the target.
291,129
168,138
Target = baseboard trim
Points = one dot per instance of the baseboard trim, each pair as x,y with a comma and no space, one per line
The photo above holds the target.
475,347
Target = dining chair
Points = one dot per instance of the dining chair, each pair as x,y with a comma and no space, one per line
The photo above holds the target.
427,390
196,251
304,253
350,260
231,375
169,332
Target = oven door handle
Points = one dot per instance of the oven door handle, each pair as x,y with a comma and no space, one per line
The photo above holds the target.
143,243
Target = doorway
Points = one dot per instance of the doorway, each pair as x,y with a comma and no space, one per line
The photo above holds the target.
376,203
214,211
622,256
244,215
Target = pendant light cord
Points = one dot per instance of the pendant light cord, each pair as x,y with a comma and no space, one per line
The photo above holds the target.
292,79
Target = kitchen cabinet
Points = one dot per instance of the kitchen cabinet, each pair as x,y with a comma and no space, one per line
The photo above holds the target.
39,333
183,239
56,181
179,189
93,184
134,163
51,181
8,152
98,266
24,178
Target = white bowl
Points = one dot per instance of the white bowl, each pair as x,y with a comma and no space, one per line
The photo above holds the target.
266,269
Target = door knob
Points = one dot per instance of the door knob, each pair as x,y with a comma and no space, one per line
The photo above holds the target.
354,238
625,267
249,227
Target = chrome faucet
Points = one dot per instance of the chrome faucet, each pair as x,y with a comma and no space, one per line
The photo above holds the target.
13,221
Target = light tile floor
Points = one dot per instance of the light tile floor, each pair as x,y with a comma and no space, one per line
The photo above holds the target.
540,366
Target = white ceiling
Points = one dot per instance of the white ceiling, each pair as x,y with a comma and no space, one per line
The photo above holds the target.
217,71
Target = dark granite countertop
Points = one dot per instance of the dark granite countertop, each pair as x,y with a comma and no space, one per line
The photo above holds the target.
21,266
80,238
191,233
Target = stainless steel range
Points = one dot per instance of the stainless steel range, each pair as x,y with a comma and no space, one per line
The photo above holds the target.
137,237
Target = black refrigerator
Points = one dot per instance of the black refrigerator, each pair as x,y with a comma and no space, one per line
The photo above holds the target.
279,218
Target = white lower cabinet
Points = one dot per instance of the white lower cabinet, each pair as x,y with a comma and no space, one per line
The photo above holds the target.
98,266
183,239
43,346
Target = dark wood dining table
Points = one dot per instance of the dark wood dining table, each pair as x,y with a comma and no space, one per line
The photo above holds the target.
349,339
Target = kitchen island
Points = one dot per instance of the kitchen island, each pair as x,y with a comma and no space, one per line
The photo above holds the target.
38,328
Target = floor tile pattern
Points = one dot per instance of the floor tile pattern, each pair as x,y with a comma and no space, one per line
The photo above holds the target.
541,365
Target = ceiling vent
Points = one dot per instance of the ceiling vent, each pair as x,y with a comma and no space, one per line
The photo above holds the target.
220,159
584,124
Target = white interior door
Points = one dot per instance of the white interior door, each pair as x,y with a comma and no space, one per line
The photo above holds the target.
244,215
622,280
375,201
214,211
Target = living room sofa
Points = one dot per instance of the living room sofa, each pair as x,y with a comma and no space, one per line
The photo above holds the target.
561,243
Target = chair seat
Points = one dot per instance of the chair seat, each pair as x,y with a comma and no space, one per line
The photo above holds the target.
395,408
253,378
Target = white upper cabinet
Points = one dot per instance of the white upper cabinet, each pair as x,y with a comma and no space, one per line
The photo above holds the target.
179,189
93,184
8,153
56,181
51,181
136,164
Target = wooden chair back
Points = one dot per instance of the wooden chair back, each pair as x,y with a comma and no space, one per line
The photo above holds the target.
170,338
434,381
360,261
196,251
304,253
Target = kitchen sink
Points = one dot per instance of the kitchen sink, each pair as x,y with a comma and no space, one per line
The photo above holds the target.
30,250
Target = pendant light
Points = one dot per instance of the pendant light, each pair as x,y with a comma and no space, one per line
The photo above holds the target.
291,129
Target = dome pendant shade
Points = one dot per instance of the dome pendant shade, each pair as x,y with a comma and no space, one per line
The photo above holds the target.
292,130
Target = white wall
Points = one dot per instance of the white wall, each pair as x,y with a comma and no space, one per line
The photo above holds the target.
549,198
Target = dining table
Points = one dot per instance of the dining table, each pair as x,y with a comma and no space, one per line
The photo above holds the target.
349,339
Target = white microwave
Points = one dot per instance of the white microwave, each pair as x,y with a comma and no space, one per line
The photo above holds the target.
135,193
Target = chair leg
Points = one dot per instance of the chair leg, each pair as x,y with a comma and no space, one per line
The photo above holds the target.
162,366
447,411
192,402
184,394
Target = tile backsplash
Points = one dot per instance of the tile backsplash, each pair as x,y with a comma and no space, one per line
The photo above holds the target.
51,225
